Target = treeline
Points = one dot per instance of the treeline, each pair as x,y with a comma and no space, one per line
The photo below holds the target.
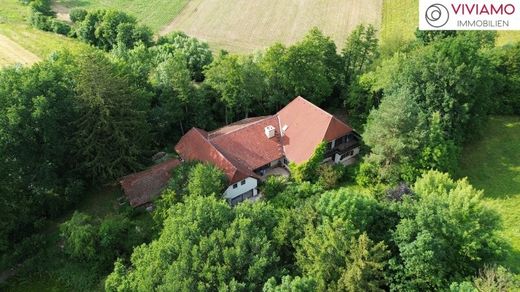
436,235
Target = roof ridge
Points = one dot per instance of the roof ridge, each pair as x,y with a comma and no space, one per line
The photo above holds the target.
241,127
319,108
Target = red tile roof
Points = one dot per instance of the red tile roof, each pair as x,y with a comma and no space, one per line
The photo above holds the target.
242,147
307,126
142,187
195,145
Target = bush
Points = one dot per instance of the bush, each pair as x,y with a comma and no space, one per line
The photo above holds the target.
42,6
40,21
273,186
59,27
330,175
77,14
80,236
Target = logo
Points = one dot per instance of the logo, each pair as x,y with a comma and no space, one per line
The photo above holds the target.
437,15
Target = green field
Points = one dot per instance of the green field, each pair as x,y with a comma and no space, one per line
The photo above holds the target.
154,13
493,165
401,19
21,43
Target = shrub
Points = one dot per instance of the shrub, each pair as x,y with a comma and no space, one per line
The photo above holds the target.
59,27
80,236
273,186
330,175
77,14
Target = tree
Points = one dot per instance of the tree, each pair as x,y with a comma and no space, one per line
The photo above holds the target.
37,177
111,128
367,262
364,214
438,152
331,254
107,29
239,82
507,78
309,68
359,53
330,175
80,236
450,76
205,245
173,81
198,53
444,236
206,179
393,133
296,284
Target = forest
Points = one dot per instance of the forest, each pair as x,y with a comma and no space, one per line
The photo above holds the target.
399,220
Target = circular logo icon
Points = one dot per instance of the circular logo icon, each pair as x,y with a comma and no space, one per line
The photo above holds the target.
437,15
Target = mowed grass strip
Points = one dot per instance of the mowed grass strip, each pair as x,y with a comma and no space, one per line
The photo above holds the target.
401,19
245,25
493,165
21,43
154,13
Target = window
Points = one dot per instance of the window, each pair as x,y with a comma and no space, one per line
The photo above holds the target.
235,186
243,182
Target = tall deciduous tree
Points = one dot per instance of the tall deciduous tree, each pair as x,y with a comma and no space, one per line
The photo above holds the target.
239,81
444,236
206,179
205,245
112,128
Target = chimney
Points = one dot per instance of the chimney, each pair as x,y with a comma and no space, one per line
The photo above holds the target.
269,131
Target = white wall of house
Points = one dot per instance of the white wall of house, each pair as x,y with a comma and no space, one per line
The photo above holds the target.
337,157
242,187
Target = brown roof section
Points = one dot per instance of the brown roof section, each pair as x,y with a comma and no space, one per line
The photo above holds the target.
142,187
307,126
249,144
195,145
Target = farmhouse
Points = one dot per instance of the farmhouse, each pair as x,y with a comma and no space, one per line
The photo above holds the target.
250,150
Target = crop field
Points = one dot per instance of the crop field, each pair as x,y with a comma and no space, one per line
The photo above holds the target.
493,165
245,25
12,53
20,43
401,19
154,13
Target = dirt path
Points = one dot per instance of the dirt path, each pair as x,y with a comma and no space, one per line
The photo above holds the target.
12,53
62,12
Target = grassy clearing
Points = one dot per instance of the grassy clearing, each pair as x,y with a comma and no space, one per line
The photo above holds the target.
244,25
401,19
493,165
21,43
154,13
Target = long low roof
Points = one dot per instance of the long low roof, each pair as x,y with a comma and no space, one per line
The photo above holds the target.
142,187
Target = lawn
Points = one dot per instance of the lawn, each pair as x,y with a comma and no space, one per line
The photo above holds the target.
154,13
493,165
21,43
401,19
245,25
